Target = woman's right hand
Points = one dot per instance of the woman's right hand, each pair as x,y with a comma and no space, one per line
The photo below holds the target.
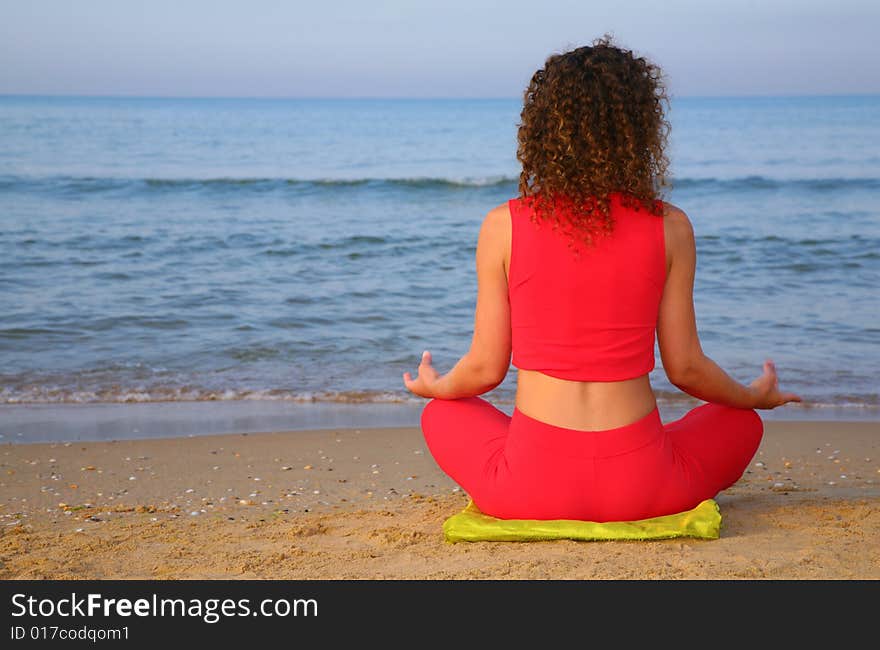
765,389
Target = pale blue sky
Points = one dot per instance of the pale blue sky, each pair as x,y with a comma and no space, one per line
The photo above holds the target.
456,48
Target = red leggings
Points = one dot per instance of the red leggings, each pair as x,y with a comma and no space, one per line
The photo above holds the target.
521,468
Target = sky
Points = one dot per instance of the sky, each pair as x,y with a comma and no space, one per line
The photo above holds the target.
400,48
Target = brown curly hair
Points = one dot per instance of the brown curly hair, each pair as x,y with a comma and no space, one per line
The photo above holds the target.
593,124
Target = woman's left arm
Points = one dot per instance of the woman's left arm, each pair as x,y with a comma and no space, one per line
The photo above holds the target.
486,363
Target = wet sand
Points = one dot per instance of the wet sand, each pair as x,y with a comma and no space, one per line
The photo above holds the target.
369,503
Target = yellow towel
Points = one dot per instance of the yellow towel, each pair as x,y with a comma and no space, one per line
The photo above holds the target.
471,525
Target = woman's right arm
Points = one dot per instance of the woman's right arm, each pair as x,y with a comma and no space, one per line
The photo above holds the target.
686,366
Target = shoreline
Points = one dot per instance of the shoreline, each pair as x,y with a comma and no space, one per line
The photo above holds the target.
33,423
369,503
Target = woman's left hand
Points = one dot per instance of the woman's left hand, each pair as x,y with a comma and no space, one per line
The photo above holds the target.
423,385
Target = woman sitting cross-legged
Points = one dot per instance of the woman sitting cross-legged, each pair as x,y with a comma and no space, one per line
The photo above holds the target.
575,276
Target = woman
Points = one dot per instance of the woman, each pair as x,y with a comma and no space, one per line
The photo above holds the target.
575,276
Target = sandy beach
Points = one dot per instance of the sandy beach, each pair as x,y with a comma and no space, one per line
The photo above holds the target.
369,504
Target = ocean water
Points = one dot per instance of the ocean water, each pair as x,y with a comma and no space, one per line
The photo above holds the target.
309,250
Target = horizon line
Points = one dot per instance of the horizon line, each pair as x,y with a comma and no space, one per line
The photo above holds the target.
404,97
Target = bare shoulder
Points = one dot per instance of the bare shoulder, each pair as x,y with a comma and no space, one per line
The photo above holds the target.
498,217
677,225
675,216
495,236
496,224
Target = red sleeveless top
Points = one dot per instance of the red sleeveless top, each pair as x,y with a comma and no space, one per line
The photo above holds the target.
592,317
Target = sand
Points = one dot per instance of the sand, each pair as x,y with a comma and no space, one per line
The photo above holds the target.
369,504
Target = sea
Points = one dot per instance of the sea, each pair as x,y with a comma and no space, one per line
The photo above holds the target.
254,264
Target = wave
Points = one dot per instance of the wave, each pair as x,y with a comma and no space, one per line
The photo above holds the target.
762,183
119,394
116,394
89,184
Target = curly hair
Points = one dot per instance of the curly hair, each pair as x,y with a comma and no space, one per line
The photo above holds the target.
593,124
